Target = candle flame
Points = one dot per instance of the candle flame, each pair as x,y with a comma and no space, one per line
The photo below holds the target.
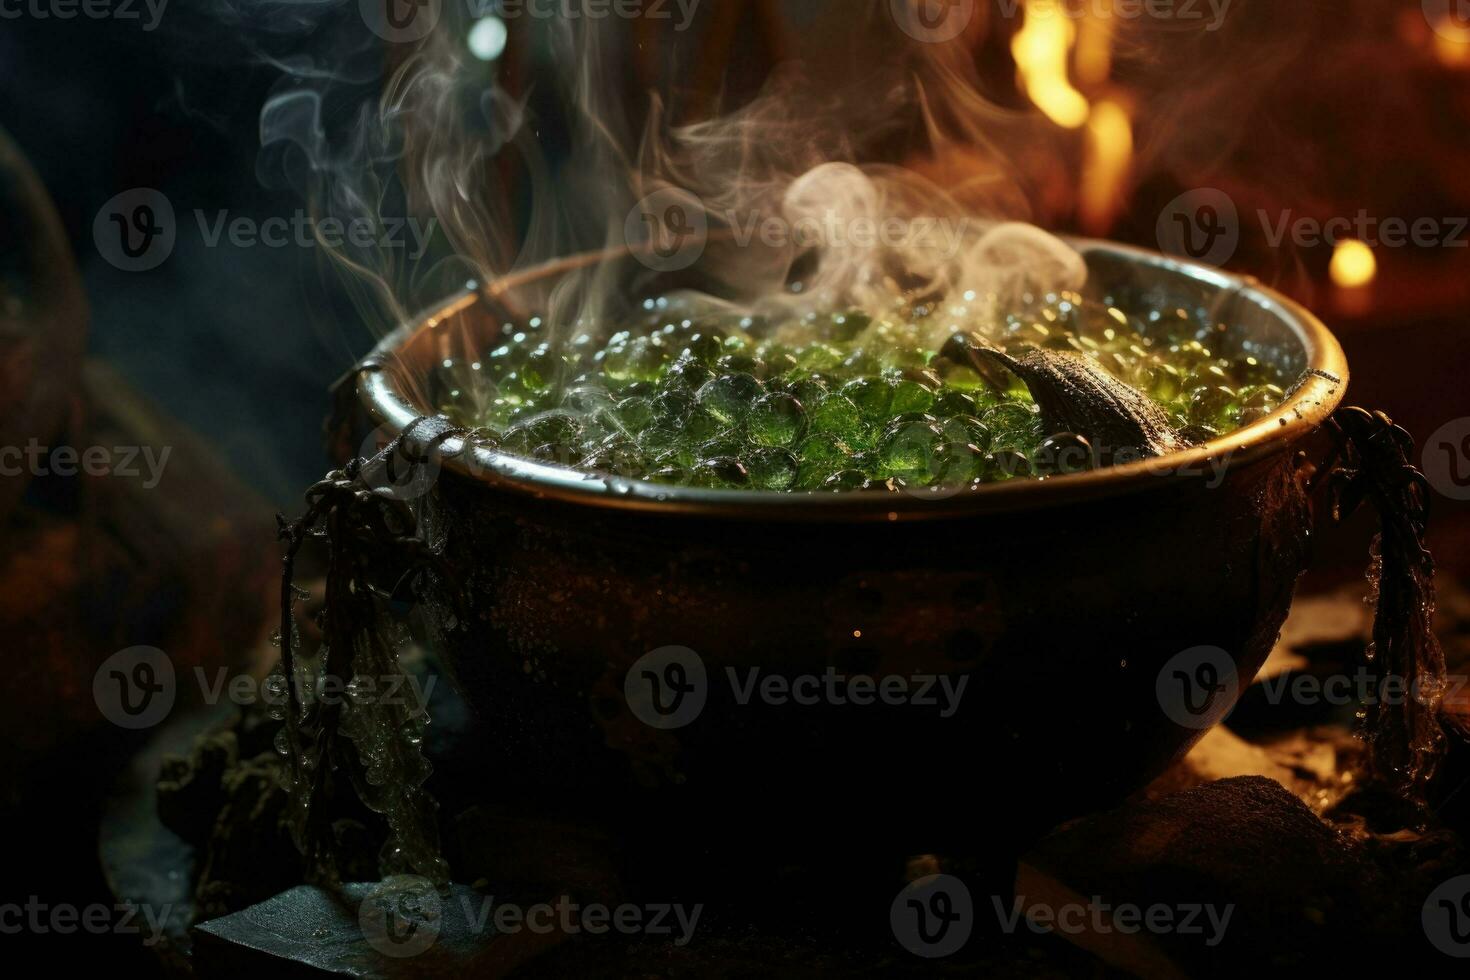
1353,264
1109,160
1041,48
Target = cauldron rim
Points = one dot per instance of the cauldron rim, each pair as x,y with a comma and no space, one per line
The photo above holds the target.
382,391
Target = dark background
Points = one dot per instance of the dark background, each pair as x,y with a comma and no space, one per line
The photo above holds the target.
241,344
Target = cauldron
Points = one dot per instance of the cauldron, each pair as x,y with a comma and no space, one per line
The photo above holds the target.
1060,604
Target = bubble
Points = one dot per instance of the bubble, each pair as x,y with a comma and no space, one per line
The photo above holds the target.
911,396
1065,452
641,359
633,415
837,416
907,449
776,420
729,397
846,480
683,390
1007,464
720,473
872,396
771,469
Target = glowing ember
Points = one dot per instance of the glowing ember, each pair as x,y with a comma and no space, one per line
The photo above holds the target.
1353,264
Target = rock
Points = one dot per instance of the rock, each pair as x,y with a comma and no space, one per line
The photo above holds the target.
43,319
188,565
311,932
1299,897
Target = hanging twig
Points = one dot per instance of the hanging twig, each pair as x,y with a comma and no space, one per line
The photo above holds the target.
1402,726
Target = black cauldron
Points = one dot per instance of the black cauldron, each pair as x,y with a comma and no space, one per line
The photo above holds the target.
611,630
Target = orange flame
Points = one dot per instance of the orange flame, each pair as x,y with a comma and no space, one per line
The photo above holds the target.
1041,48
1109,159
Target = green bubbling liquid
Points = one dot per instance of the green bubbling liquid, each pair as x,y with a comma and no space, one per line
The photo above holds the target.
830,402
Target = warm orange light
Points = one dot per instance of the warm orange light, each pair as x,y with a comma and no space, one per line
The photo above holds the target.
1109,158
1040,48
1353,264
1094,55
1452,42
